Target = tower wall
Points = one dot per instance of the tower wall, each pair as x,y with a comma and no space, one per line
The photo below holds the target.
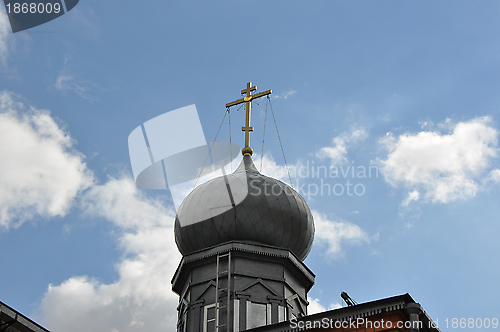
267,285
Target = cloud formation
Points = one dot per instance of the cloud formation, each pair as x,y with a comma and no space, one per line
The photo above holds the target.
316,307
441,167
66,81
337,152
141,299
268,166
335,233
42,175
5,37
286,95
41,172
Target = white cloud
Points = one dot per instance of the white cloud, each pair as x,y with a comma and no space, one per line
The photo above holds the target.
272,169
41,173
83,20
337,153
442,167
316,307
386,117
142,298
333,234
493,177
5,37
285,95
269,167
66,81
412,196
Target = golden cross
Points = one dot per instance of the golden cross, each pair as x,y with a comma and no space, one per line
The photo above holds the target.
247,150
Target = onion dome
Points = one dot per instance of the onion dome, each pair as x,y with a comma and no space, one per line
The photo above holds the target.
244,206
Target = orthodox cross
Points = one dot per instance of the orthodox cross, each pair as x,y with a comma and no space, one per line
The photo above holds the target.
247,150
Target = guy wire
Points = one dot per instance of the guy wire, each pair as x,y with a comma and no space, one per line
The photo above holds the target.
211,145
283,151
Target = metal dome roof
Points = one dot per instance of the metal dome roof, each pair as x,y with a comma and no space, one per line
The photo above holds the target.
244,206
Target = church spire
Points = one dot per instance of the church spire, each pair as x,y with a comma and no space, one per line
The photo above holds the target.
247,150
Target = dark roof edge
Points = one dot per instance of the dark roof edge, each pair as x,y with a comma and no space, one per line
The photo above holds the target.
7,311
365,309
248,246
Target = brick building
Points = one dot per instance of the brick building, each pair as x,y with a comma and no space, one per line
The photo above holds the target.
399,313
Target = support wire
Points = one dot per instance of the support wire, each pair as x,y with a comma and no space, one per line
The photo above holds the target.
283,151
263,138
211,145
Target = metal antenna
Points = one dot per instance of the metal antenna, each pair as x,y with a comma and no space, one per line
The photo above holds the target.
347,299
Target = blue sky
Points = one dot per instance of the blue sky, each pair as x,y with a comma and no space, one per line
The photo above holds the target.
409,87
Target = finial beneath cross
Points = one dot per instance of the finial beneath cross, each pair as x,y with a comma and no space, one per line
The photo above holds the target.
247,150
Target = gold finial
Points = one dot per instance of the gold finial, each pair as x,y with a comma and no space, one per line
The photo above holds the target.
247,150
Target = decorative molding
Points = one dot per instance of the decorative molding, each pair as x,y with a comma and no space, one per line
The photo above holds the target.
259,281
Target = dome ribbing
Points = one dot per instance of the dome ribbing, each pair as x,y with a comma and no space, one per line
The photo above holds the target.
244,206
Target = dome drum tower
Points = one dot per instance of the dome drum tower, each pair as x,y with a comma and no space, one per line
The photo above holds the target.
267,285
243,237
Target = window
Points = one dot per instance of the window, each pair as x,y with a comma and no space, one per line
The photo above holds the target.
281,314
236,315
209,318
258,314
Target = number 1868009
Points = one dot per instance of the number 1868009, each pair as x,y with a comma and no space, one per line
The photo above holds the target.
471,323
33,8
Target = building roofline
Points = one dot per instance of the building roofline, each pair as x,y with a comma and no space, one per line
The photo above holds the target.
357,311
244,247
19,321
